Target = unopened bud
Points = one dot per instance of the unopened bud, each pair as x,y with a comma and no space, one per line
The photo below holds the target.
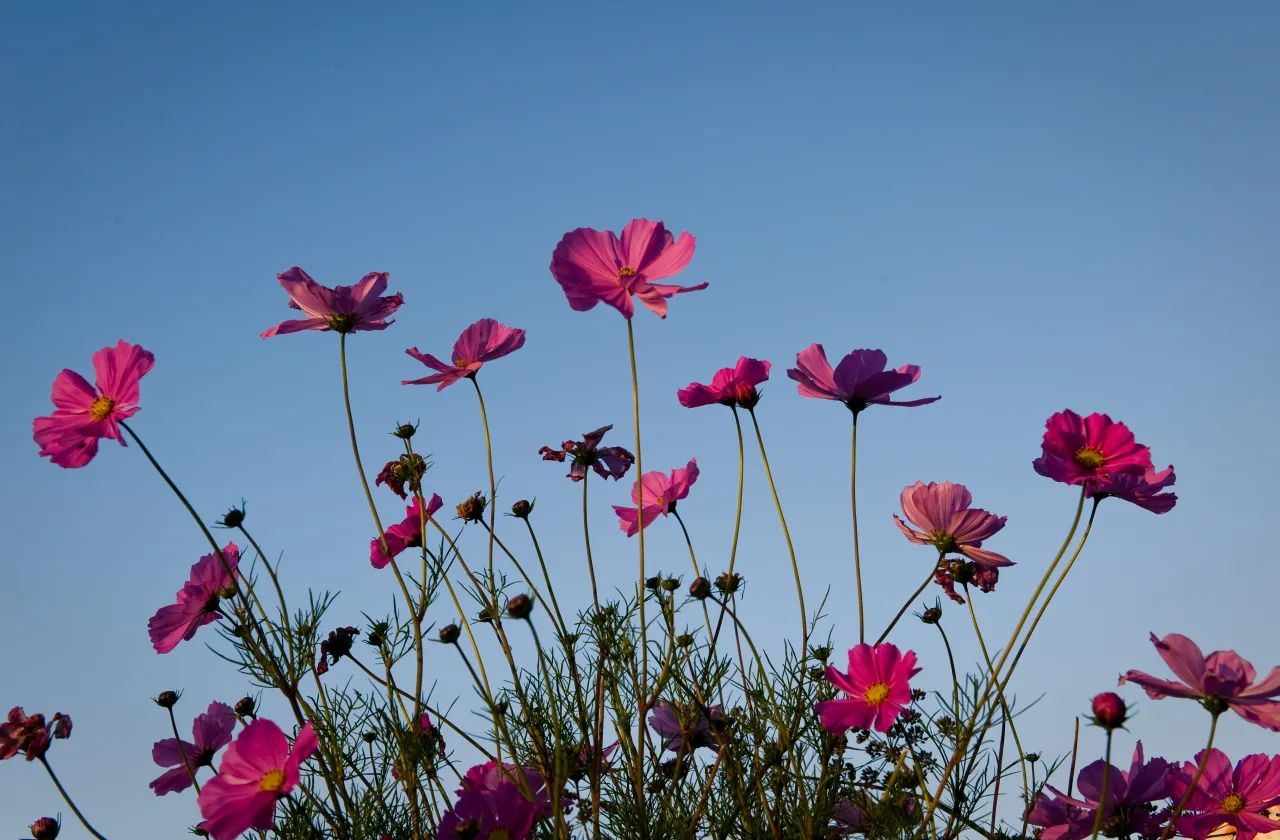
167,699
370,737
233,518
653,583
932,615
246,707
520,606
1109,711
449,633
405,431
45,828
700,588
684,640
522,509
671,584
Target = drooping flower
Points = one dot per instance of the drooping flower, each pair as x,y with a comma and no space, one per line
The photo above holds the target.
210,732
491,776
1079,449
405,534
1144,490
405,471
83,413
1224,796
687,728
965,572
735,386
257,769
483,341
335,647
595,266
878,685
944,514
1220,681
661,492
343,309
859,381
499,814
608,461
198,602
24,734
61,726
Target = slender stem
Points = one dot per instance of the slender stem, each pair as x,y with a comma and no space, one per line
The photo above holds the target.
914,596
857,555
955,679
63,791
737,519
642,684
586,535
1106,783
355,448
1004,705
1075,748
493,487
546,577
275,581
786,533
692,558
191,771
995,797
1186,797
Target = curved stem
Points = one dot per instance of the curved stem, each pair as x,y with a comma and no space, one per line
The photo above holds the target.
355,448
737,519
693,558
1004,704
955,679
642,684
857,555
1186,797
63,791
586,536
795,568
546,577
191,771
1106,783
493,487
914,595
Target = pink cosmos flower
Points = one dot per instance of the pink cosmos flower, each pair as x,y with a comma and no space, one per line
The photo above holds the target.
490,777
258,769
1227,797
1221,680
735,386
1078,449
944,513
688,728
595,266
84,413
1125,813
848,818
859,381
483,341
343,309
661,492
405,534
878,687
211,732
198,600
1144,490
24,734
499,814
608,461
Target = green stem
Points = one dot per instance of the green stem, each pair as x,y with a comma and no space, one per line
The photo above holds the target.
857,555
493,487
1004,705
586,536
737,519
191,772
914,596
1106,783
786,533
63,791
642,683
1186,797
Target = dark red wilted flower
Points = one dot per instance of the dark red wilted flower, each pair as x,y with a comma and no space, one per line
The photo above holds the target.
608,461
23,734
405,470
335,647
61,726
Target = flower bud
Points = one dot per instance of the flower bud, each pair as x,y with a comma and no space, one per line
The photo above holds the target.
684,640
45,828
670,584
233,518
522,509
472,510
700,588
449,633
822,654
729,583
1109,711
405,431
246,707
370,737
932,615
167,699
1033,757
377,633
520,606
653,583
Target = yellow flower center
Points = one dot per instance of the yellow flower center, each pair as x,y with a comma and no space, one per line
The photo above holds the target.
658,502
500,834
626,271
1090,458
272,782
460,362
1233,804
876,694
101,408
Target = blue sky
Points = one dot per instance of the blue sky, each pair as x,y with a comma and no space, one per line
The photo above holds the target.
1044,206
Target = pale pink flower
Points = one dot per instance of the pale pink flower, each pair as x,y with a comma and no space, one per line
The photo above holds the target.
661,492
947,521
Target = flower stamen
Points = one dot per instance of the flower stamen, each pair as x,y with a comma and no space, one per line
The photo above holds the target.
102,408
876,694
272,782
1090,458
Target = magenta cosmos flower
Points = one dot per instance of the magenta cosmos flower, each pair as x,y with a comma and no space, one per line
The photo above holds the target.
483,341
735,386
878,685
490,777
595,266
1125,812
343,309
948,523
258,769
1220,681
198,600
608,461
687,728
1225,796
661,492
1144,489
83,413
405,534
1078,449
859,381
210,732
499,814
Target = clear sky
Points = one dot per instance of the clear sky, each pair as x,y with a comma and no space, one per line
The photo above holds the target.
1043,205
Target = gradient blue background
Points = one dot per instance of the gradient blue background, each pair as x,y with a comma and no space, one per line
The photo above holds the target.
1042,206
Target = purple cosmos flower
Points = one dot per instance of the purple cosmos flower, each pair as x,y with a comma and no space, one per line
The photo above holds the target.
198,600
661,492
608,461
210,732
944,513
1225,796
595,266
344,309
490,777
687,728
1220,681
735,386
859,381
405,534
1128,807
483,341
1144,489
